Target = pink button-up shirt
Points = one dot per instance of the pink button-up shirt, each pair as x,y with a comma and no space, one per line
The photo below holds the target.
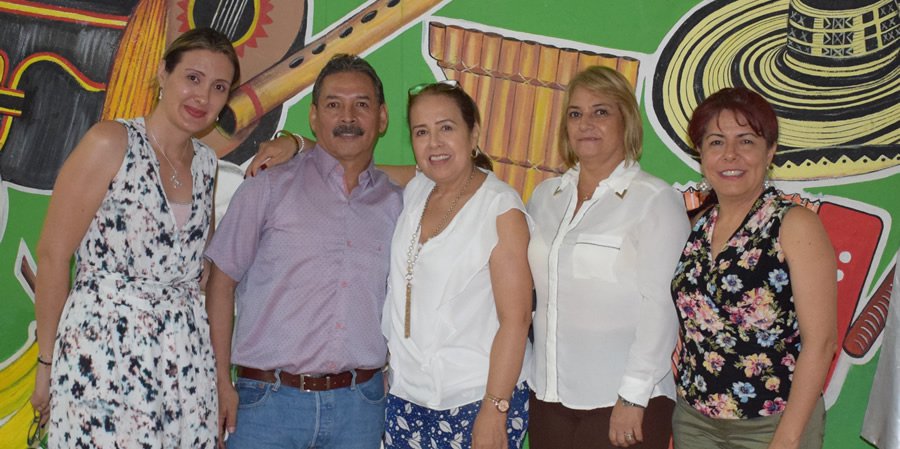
311,263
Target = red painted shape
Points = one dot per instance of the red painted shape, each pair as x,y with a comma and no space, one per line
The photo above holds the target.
855,236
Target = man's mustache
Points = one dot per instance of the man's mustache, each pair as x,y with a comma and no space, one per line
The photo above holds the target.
343,130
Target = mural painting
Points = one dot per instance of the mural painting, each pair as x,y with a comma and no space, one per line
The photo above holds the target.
830,69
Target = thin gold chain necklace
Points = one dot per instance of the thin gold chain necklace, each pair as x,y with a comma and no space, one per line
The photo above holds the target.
412,253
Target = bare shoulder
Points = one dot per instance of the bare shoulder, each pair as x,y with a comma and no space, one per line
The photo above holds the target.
799,220
98,155
803,233
104,143
103,140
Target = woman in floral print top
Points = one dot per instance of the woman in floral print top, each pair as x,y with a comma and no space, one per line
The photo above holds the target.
755,291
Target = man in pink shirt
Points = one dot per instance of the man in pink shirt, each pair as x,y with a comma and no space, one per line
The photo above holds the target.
303,252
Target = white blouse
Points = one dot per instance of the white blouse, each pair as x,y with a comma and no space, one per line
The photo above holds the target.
444,363
605,324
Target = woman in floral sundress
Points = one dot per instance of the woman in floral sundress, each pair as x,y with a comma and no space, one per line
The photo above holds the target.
756,280
125,358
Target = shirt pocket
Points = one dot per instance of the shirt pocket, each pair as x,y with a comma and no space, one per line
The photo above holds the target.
594,256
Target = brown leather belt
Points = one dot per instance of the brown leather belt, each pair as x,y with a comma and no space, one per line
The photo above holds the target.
309,382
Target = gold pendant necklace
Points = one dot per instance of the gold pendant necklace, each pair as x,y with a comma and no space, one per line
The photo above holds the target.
176,183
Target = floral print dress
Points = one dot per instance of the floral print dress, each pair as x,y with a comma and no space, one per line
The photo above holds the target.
739,333
133,365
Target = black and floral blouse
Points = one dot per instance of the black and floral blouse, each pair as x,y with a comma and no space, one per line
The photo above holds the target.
739,331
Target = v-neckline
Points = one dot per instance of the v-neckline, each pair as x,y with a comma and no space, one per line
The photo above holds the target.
713,221
159,181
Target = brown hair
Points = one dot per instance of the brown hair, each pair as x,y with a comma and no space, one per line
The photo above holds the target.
202,39
741,101
467,108
606,81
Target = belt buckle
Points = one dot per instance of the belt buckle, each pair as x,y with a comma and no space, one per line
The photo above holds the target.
303,383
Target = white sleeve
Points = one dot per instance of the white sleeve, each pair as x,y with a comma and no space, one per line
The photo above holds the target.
661,236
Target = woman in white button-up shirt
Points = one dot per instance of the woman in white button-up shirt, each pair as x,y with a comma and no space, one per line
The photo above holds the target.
606,240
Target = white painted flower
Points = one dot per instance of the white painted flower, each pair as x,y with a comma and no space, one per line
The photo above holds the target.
518,423
445,426
401,421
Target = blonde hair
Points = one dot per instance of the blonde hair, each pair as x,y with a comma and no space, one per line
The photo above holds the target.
605,81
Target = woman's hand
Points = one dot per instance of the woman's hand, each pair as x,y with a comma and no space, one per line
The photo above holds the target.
489,430
40,398
228,405
625,425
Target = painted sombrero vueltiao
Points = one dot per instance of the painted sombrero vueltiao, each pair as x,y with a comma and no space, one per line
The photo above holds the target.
829,68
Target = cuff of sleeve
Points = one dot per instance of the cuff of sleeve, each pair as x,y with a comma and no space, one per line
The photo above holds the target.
222,264
636,390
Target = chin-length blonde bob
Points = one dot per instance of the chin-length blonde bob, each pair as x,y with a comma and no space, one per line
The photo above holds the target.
605,81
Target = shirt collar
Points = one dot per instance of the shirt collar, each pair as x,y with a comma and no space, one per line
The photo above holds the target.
329,166
618,181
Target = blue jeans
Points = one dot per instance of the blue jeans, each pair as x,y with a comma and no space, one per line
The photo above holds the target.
277,416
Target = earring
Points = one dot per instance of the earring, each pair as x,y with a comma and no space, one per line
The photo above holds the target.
768,183
474,152
703,185
159,97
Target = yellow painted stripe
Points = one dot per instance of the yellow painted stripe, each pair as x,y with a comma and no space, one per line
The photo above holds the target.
4,132
63,14
12,93
85,83
12,112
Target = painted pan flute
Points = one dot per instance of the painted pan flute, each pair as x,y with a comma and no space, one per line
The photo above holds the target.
519,87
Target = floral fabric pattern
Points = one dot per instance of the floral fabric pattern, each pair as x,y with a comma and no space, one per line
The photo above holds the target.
133,365
739,333
411,426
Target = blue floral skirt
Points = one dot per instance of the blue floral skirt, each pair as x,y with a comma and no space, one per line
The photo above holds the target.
412,426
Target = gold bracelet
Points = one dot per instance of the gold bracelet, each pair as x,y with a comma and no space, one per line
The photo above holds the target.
299,142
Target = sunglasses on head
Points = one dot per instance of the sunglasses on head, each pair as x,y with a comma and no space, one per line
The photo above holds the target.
418,88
